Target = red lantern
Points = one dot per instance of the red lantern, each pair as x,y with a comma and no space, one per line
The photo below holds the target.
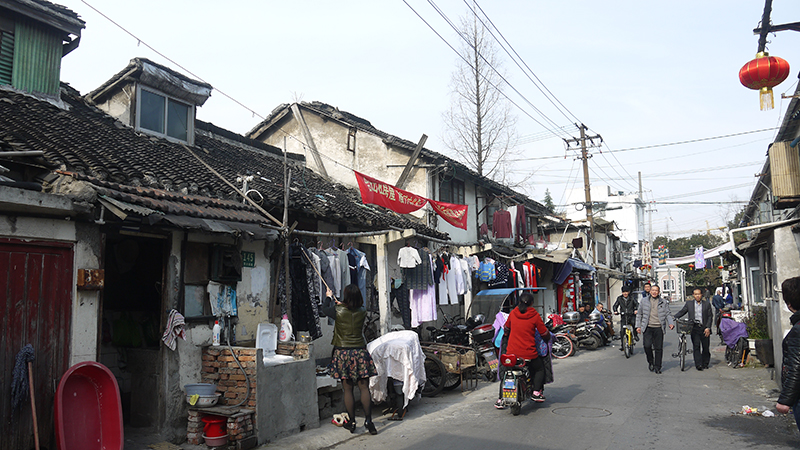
691,266
762,74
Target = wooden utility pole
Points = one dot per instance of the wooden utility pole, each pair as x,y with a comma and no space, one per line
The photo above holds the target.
586,183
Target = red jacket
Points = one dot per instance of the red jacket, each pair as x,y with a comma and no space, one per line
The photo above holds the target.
521,331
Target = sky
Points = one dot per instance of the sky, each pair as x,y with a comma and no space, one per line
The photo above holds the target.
646,76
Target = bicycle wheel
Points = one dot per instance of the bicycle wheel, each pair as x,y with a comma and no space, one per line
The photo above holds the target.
435,375
562,347
452,381
682,352
626,344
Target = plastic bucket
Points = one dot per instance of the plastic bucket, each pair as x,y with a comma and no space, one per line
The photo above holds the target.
215,441
216,426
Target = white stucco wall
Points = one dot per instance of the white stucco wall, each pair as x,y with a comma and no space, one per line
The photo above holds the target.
629,219
787,265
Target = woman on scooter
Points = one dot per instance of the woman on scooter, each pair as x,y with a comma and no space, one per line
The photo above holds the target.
519,339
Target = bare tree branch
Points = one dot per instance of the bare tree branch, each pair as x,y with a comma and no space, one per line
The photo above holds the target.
479,126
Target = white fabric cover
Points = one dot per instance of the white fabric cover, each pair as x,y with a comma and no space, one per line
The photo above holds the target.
397,355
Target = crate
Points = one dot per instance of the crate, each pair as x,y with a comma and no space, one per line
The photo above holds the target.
456,358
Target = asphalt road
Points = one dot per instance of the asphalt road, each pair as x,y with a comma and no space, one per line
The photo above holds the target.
599,400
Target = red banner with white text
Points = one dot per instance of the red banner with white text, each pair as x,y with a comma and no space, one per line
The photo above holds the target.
379,193
454,214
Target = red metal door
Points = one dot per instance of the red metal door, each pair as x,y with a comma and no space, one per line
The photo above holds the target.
36,286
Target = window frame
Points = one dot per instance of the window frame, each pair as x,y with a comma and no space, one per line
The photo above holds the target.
167,98
454,187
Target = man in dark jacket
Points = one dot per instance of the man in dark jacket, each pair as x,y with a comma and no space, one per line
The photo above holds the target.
626,305
701,316
790,368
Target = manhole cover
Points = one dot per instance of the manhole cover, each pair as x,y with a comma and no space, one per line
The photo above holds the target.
577,411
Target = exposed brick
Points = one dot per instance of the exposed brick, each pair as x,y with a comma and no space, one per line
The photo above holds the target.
208,369
212,352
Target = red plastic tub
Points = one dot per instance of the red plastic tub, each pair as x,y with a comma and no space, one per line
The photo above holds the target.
88,410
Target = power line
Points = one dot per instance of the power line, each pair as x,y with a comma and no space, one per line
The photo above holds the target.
657,145
522,61
449,22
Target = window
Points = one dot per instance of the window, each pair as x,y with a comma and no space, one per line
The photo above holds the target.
164,116
601,253
490,210
6,50
452,191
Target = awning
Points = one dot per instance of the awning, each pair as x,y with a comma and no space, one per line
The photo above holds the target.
250,230
554,257
611,273
563,270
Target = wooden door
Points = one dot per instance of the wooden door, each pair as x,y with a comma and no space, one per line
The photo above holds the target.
36,286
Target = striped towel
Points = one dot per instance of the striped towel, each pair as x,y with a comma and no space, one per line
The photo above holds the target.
175,328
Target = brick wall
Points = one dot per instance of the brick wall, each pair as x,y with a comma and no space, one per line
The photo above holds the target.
220,368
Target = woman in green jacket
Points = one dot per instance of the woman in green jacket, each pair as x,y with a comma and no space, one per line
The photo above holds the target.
351,362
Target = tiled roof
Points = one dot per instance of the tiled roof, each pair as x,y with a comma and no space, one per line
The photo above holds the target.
362,124
61,14
82,139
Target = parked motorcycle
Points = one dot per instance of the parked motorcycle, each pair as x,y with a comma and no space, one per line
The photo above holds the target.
516,382
583,334
563,345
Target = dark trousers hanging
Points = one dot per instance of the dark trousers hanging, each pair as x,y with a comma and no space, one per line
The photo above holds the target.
402,296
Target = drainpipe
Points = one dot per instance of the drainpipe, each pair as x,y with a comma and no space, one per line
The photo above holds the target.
743,275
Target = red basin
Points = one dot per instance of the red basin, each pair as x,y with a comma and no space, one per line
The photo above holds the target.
88,411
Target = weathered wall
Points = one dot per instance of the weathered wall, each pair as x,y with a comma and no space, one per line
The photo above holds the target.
787,265
286,399
119,105
253,292
86,304
86,238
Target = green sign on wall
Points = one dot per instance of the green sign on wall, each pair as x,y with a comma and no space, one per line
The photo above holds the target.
248,259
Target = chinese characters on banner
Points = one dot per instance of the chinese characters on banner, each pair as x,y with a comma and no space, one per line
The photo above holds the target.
377,192
455,215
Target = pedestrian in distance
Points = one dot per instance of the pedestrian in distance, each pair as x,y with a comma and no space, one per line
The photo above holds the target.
654,318
700,315
583,313
628,305
790,367
718,302
351,362
646,291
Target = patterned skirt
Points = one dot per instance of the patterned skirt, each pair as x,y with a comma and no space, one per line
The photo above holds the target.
352,363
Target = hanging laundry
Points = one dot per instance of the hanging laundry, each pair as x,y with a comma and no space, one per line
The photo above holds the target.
501,224
699,258
521,226
512,214
421,276
529,272
423,305
401,296
408,257
486,271
501,278
175,329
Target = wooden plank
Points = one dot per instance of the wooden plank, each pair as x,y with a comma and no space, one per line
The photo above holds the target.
309,140
403,180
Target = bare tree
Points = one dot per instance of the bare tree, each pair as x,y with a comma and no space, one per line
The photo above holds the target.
480,128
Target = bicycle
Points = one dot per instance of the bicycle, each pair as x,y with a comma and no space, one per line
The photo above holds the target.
684,327
627,340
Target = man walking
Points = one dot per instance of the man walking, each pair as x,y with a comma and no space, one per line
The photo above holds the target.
700,315
654,317
627,306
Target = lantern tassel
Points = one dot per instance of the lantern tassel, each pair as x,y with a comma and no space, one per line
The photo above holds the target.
767,101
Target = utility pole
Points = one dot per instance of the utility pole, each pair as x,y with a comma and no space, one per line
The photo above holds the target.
586,183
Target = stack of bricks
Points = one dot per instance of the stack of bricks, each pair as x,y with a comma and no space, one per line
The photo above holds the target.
240,425
194,431
220,368
298,350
